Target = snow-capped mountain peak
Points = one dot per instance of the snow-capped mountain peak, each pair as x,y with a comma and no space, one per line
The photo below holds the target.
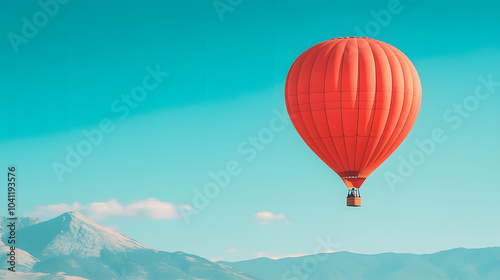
73,234
72,244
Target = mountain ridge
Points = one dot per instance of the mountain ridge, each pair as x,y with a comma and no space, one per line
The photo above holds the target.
457,263
72,245
73,234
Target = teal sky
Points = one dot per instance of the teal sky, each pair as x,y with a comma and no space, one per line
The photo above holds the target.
226,74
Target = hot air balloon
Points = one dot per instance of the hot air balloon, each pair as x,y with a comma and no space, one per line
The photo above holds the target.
353,101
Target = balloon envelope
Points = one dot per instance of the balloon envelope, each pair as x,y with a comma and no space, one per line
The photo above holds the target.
353,101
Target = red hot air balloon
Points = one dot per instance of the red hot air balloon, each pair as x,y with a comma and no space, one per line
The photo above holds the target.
353,101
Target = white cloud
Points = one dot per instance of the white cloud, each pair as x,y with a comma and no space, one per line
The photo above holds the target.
265,217
150,208
231,250
268,216
187,207
54,210
103,210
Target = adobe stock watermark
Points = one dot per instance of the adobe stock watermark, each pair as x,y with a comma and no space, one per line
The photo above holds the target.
122,107
381,19
425,148
310,263
223,6
32,25
221,179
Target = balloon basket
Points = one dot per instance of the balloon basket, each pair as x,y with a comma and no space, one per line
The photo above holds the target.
354,201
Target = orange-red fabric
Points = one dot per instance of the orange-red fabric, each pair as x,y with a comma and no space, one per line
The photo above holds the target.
353,101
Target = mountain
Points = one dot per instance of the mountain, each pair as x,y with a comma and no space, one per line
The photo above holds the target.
72,245
36,276
21,222
25,261
461,263
73,234
140,264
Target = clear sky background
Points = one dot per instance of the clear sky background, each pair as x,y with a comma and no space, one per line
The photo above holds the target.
226,77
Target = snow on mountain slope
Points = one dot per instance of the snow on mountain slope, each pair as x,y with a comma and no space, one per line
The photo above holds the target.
25,261
8,275
72,244
72,234
21,222
76,245
141,264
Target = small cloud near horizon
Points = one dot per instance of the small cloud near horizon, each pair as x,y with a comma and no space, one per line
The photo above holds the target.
264,217
150,208
231,250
